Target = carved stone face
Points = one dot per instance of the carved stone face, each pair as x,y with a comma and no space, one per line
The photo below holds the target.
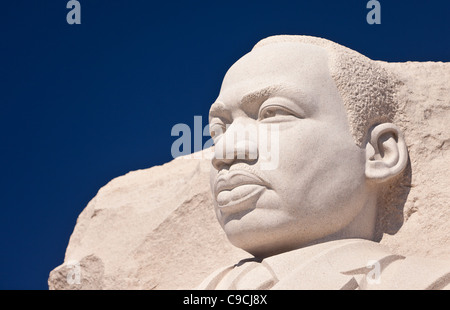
318,186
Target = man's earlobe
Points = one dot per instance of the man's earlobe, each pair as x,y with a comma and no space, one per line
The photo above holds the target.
386,153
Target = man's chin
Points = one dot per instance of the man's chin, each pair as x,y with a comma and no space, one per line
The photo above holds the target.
259,242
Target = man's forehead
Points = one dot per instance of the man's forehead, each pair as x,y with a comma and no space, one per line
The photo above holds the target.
279,59
276,68
280,63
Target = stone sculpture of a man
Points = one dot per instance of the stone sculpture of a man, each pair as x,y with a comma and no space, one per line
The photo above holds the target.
310,221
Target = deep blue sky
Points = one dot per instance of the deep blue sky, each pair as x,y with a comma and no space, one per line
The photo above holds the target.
82,104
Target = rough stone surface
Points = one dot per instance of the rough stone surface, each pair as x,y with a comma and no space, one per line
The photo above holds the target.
156,228
425,116
148,229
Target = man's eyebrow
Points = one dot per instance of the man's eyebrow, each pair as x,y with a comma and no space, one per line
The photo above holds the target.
250,102
260,94
253,100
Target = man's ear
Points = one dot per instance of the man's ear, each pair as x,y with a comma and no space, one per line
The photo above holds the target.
386,153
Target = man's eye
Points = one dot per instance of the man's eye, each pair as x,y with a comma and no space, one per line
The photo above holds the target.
273,111
216,129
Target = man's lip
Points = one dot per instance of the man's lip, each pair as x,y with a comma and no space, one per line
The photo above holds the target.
233,179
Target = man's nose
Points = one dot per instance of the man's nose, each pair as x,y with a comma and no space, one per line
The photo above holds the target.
238,144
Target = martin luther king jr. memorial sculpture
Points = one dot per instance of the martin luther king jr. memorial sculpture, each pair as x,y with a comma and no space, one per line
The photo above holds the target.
329,172
310,220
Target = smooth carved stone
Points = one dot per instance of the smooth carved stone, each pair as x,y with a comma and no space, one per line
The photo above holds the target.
341,264
156,228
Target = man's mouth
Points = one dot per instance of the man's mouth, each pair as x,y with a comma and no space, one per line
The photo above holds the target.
238,190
